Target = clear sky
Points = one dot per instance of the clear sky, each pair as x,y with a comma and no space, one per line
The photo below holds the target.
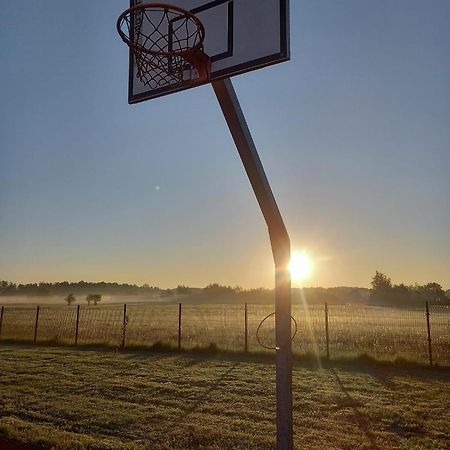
354,134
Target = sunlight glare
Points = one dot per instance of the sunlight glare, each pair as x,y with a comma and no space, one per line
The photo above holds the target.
300,266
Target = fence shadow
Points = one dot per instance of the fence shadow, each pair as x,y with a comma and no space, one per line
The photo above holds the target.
198,402
384,371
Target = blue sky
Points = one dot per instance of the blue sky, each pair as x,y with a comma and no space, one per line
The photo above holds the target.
354,134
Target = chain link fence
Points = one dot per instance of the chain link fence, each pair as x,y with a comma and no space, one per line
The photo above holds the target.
440,334
382,332
100,325
56,324
420,334
148,325
17,323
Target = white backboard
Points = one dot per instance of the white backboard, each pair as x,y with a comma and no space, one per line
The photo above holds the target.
240,36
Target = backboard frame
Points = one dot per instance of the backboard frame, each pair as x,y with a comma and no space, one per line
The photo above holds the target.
281,56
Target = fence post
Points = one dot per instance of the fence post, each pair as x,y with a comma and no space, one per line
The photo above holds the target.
429,333
246,328
36,324
1,320
327,334
179,326
77,325
124,326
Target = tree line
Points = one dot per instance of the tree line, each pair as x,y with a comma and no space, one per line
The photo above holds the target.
78,288
384,291
85,288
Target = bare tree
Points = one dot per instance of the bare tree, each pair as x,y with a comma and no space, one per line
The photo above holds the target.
95,298
70,299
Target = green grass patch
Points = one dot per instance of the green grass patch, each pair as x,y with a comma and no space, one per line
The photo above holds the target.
71,398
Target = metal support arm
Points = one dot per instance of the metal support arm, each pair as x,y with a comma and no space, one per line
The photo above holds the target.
280,243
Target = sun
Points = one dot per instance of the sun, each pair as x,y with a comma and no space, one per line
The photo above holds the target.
300,266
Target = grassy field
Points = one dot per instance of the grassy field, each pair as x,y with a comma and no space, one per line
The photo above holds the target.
385,333
86,399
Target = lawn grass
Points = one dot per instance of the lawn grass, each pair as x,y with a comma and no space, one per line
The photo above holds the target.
89,399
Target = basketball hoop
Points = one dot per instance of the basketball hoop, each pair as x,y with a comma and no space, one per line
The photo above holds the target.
167,45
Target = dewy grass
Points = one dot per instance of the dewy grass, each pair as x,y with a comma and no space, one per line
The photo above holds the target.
68,398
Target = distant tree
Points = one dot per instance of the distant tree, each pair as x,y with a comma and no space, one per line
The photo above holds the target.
259,295
44,289
383,291
95,298
401,294
3,286
70,299
381,288
183,290
216,288
167,293
7,288
380,282
432,292
239,289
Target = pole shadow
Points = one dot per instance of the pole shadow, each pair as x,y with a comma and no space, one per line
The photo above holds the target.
201,399
360,418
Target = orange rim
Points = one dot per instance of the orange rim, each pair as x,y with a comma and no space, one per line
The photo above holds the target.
142,7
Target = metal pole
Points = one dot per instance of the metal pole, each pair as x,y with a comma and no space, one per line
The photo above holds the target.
36,324
1,320
327,334
281,250
77,325
179,326
429,333
246,329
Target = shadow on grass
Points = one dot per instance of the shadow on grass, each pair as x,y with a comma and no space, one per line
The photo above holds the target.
361,419
201,399
361,363
385,370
